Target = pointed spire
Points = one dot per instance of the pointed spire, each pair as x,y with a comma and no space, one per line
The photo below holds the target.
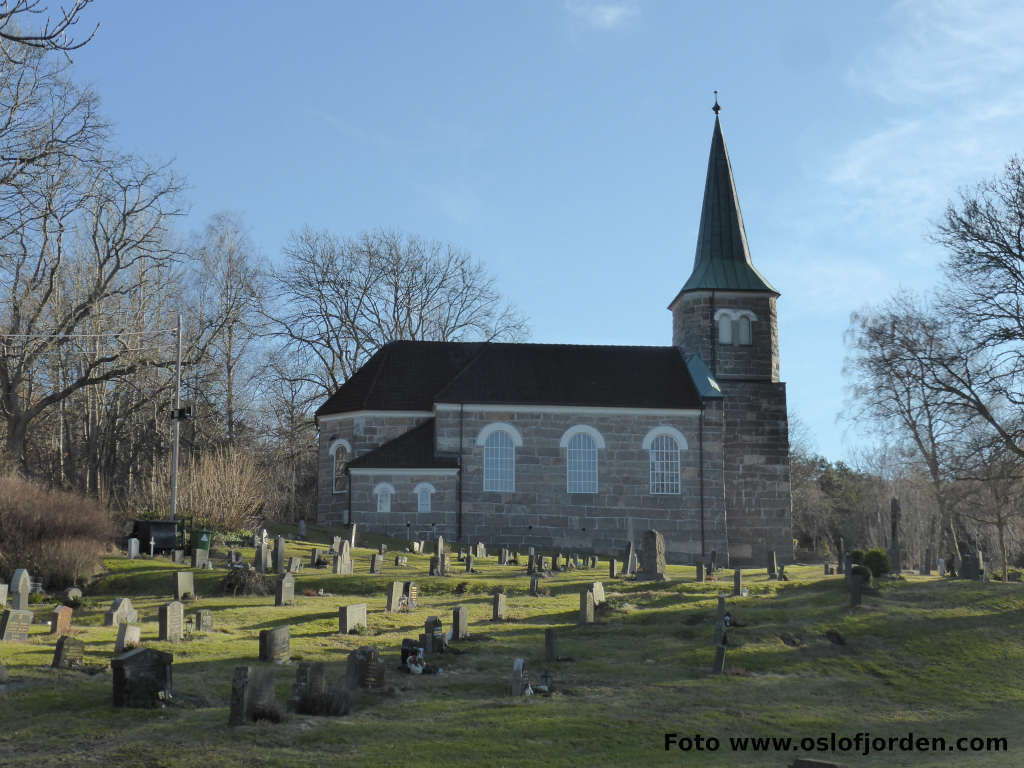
722,261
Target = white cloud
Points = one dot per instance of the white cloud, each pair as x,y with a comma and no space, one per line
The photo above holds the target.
603,15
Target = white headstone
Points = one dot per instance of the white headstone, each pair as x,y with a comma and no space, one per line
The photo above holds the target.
133,548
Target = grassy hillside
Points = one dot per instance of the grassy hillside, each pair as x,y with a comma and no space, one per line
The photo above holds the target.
935,658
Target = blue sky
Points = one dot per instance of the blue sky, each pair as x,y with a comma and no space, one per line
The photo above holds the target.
564,142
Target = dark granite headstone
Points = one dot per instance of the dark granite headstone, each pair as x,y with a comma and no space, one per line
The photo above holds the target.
633,565
285,591
14,625
772,565
535,585
737,583
377,564
315,558
469,563
252,695
350,617
611,568
394,597
654,556
60,623
700,572
280,558
142,678
460,622
69,654
365,669
550,645
275,645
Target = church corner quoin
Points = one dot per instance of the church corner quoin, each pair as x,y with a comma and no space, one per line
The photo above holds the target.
583,447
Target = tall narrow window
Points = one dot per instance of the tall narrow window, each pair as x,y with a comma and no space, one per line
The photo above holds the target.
744,330
581,464
499,462
423,494
664,465
725,329
384,492
340,453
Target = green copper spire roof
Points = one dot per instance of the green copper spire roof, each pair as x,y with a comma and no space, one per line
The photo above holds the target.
722,261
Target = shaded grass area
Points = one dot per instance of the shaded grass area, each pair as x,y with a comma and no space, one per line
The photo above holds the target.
935,657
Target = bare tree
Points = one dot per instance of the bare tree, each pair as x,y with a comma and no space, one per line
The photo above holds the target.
340,300
53,35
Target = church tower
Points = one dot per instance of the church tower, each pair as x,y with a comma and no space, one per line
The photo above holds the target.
725,313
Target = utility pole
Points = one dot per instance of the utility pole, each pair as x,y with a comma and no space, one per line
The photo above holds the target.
176,417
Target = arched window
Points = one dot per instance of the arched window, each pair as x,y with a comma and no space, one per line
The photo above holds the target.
725,329
499,462
384,492
664,444
340,452
743,331
423,493
581,443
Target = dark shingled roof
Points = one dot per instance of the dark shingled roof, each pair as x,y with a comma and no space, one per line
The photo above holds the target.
413,450
565,374
722,261
413,375
402,376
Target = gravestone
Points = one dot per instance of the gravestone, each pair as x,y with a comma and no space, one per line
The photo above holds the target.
433,636
128,636
534,585
481,550
550,645
285,592
252,695
314,558
586,607
69,654
772,564
394,597
530,565
365,669
597,590
280,559
417,547
171,618
633,565
737,583
503,556
439,546
700,572
294,565
302,529
498,613
782,572
460,622
351,617
469,563
3,594
627,556
201,558
411,594
142,678
14,626
445,565
336,544
401,561
654,556
121,612
133,548
377,564
721,642
828,569
204,620
352,537
343,560
60,623
712,564
260,560
184,585
970,568
178,557
382,549
926,567
942,567
275,645
519,683
841,557
611,568
21,586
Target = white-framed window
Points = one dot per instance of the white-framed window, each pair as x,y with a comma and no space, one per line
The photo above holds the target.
665,444
743,335
423,493
581,443
384,492
340,452
499,442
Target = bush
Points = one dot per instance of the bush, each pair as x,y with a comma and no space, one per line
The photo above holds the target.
877,561
857,556
60,537
862,572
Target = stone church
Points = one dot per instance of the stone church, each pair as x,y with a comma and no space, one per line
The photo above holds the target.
583,447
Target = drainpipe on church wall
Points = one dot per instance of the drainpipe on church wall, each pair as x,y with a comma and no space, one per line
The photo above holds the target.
700,474
458,480
713,333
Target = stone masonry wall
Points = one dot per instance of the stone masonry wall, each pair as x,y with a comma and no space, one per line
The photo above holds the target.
405,505
757,480
364,433
694,330
542,513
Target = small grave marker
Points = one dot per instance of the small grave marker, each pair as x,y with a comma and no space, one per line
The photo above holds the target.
460,622
142,678
498,613
394,597
737,583
128,636
14,626
171,618
121,612
654,556
377,564
133,548
21,587
275,645
550,645
365,669
252,694
351,617
69,653
586,607
60,623
285,592
204,620
184,585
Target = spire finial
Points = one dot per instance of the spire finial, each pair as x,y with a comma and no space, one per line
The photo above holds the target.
717,108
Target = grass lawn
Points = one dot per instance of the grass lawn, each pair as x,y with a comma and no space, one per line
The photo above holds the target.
938,658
